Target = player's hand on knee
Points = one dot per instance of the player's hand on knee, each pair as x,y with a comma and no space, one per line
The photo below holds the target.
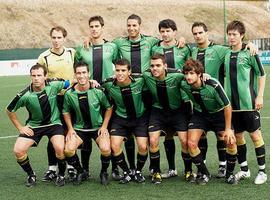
103,132
26,130
70,134
229,136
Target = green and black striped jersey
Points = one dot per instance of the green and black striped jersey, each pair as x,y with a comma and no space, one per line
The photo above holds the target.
100,59
128,100
209,98
212,58
137,52
41,106
242,73
85,107
175,57
166,93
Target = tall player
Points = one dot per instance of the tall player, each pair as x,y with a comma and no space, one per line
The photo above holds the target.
100,57
59,62
175,57
212,57
245,82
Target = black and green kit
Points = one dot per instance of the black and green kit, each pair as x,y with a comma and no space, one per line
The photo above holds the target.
41,106
209,98
242,73
128,100
85,107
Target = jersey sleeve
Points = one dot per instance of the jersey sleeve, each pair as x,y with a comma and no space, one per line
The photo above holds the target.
78,56
17,102
257,65
41,60
66,104
221,96
222,51
103,99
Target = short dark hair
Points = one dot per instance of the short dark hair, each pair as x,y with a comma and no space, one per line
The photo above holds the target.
80,64
195,65
96,18
59,28
158,56
236,25
196,24
136,17
123,62
38,66
167,23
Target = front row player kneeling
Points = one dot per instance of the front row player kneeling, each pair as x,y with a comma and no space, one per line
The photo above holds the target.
85,103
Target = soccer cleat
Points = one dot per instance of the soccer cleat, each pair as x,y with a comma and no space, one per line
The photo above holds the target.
126,178
202,179
138,177
79,178
221,172
261,178
116,175
60,181
190,177
49,175
85,175
132,173
231,180
242,175
104,178
156,178
170,173
31,180
151,173
72,175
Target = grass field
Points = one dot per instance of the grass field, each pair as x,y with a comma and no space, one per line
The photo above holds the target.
12,178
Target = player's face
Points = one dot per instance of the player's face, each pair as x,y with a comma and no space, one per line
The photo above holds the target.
38,79
234,37
200,36
82,75
158,68
122,74
133,28
167,34
192,77
57,39
95,29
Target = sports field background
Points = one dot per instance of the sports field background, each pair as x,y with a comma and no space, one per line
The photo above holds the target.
12,178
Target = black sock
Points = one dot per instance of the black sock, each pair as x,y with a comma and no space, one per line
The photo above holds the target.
155,159
75,162
130,151
141,159
221,149
198,161
52,160
25,165
121,162
170,152
114,164
231,160
61,167
203,146
242,156
85,157
260,154
187,161
105,162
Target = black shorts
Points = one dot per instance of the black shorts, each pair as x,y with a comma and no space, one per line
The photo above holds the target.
249,121
49,131
161,119
124,127
207,121
86,137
